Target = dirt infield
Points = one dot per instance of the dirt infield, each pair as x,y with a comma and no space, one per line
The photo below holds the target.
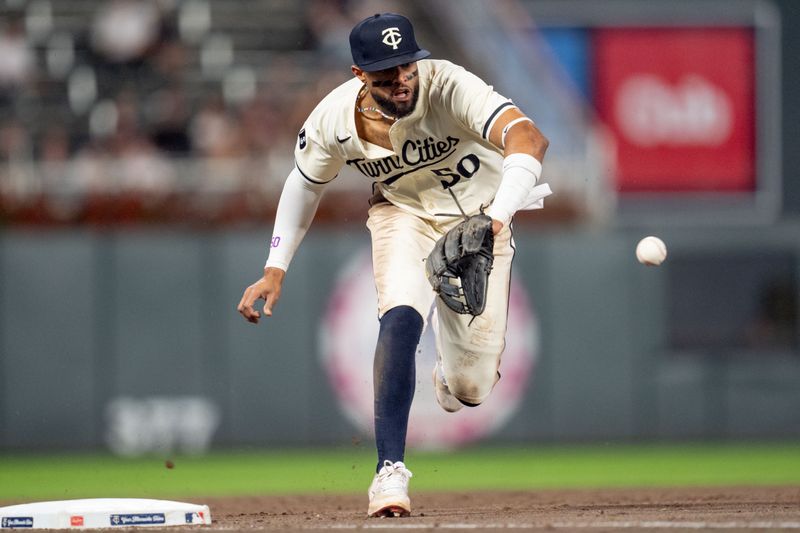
739,508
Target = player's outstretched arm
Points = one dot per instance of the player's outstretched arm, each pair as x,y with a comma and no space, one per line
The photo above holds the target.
523,147
267,288
296,208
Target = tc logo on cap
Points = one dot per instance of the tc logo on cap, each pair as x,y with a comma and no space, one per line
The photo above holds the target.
392,37
395,32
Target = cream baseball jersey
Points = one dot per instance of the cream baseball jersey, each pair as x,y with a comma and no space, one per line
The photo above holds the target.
442,145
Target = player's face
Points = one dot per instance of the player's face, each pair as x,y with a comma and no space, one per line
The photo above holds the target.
395,89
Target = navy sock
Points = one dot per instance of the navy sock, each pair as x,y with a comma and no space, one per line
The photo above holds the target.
394,374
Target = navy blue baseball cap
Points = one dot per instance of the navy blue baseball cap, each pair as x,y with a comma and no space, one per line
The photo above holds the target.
384,41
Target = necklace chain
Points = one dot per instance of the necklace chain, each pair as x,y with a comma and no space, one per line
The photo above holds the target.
367,109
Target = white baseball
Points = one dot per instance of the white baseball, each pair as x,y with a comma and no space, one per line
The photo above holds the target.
651,251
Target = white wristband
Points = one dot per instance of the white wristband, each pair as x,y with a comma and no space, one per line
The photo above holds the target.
520,174
524,162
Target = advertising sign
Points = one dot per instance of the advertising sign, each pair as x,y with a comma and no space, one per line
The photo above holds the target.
680,103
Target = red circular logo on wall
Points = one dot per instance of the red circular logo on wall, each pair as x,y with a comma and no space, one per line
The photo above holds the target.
349,333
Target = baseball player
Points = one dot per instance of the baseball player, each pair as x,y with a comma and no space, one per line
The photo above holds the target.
437,144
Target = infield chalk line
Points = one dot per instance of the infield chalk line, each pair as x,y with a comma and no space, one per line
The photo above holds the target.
664,524
647,524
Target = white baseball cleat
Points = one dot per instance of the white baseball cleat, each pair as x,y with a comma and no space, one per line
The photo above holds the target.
446,400
388,493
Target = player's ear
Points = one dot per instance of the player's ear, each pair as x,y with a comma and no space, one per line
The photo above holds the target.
358,73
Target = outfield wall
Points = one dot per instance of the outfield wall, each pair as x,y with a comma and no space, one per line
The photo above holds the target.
90,320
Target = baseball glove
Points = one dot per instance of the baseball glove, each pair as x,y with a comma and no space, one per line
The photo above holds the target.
464,253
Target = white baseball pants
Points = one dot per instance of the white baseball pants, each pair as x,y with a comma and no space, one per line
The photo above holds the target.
470,353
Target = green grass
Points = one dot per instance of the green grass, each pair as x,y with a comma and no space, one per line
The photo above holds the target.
31,477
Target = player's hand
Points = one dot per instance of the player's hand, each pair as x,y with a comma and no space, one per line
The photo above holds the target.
268,288
496,226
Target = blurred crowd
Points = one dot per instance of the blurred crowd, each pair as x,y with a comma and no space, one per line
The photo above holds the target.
182,110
